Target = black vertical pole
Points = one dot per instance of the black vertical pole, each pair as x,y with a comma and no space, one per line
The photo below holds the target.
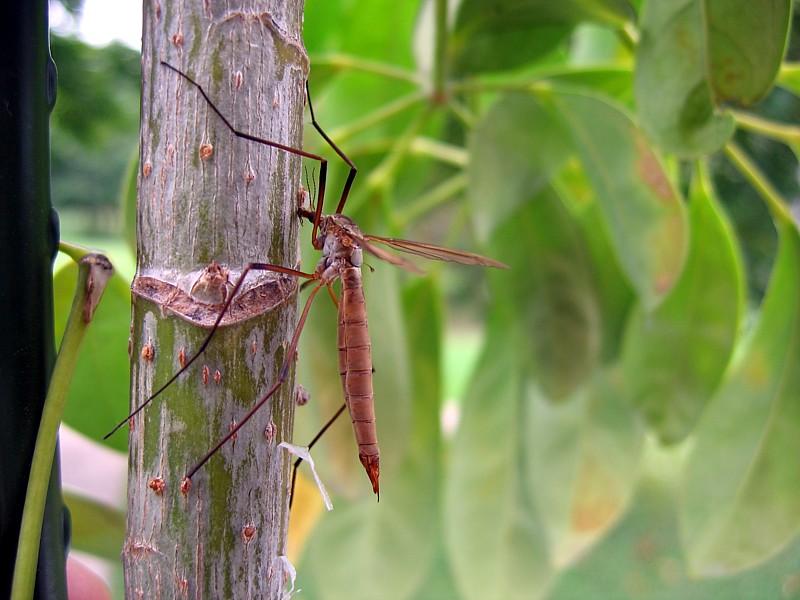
28,237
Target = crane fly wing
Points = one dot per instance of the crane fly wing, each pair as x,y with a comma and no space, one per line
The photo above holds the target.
398,261
433,252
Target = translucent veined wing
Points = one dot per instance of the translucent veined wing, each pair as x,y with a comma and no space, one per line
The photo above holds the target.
398,261
433,252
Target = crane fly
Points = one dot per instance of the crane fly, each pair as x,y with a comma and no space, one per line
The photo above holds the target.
342,245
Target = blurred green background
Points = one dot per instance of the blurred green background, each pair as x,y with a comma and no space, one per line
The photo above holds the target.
616,416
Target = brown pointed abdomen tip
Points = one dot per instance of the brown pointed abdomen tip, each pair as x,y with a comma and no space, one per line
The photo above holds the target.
372,466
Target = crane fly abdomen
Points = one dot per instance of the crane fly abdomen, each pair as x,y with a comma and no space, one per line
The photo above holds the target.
355,369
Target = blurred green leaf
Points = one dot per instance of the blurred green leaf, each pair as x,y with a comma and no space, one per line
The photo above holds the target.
614,293
493,35
496,542
672,89
741,496
96,528
514,151
642,211
675,356
549,293
615,82
98,396
353,27
642,559
746,41
582,457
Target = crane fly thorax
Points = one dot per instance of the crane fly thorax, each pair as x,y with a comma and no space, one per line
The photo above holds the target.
338,239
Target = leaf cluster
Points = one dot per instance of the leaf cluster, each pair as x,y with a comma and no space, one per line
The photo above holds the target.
636,368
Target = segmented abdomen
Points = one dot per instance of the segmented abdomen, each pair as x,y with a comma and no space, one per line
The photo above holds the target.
355,369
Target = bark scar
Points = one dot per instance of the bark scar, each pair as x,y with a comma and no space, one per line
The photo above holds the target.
256,301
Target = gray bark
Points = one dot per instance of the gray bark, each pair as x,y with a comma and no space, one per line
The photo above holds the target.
205,195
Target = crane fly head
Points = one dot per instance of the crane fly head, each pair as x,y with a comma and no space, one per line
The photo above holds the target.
344,229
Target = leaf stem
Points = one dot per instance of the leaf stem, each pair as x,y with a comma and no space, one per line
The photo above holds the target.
376,117
775,203
74,251
440,50
93,274
344,61
384,172
443,192
782,132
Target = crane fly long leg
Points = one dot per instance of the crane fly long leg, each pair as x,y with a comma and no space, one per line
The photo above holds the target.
283,374
323,162
350,176
322,431
214,327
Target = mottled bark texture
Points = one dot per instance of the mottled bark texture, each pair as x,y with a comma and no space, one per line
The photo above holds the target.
206,195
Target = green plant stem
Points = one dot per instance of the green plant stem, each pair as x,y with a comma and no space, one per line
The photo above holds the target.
783,132
92,277
344,61
440,50
342,134
775,202
384,173
74,251
443,192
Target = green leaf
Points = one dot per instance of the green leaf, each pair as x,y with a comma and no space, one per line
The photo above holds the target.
746,41
404,525
614,293
641,209
554,301
672,89
582,458
514,151
98,396
675,356
493,35
350,27
642,558
495,541
741,497
96,528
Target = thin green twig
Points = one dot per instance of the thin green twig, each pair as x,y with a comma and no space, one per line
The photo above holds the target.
783,132
439,74
775,203
380,178
74,251
93,275
344,61
371,120
445,191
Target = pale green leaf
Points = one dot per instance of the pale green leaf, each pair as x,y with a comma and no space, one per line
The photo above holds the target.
496,544
642,211
672,89
503,34
746,41
675,356
582,458
514,151
741,496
